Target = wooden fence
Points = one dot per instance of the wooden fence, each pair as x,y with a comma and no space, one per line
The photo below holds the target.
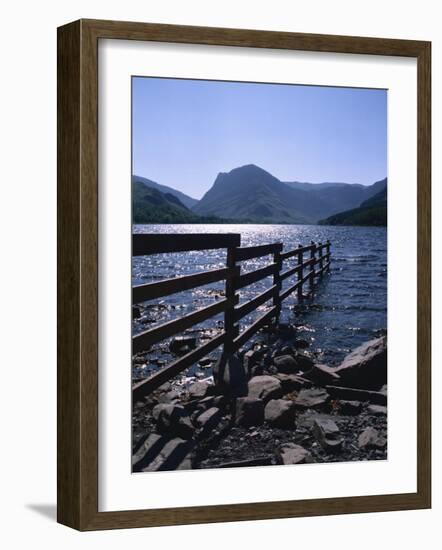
303,267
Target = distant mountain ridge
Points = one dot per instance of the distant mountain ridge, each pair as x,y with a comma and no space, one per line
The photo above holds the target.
187,201
371,212
250,194
149,205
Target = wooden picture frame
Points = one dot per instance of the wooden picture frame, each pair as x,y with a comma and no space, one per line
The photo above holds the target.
78,274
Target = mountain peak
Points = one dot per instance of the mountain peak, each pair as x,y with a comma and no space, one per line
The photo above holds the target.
249,169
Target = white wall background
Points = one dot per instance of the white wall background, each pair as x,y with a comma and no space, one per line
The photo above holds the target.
28,276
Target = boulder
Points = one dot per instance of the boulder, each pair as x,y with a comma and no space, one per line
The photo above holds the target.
161,453
147,451
294,454
292,382
370,439
264,387
173,419
252,358
201,389
209,419
169,397
327,434
351,408
312,398
355,394
230,376
366,366
182,344
377,410
280,413
249,412
305,363
322,375
286,364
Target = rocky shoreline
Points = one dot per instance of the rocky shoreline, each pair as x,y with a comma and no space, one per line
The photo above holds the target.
272,404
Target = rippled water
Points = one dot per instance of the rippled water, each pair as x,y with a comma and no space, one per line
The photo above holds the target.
349,305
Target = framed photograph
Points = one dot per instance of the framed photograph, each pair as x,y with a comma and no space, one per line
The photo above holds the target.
243,274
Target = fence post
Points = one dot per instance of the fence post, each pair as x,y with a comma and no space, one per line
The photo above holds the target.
300,273
328,254
229,314
321,260
312,266
277,280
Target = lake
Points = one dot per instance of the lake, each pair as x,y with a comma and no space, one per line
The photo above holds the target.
348,308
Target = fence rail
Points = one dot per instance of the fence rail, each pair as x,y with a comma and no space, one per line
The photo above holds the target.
305,272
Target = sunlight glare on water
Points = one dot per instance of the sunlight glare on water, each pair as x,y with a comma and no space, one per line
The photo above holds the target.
349,306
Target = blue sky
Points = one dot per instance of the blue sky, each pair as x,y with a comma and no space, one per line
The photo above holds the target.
187,131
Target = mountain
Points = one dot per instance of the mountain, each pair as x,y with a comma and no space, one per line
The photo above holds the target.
187,201
152,206
372,211
339,196
252,193
249,192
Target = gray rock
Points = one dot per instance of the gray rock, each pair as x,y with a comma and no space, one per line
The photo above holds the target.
351,408
230,376
169,397
249,412
182,344
312,398
305,363
294,454
377,410
366,366
146,448
201,389
173,419
327,434
292,382
322,375
280,413
264,387
355,394
370,439
209,419
160,453
286,364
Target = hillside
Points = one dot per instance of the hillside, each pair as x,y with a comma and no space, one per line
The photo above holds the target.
152,206
371,212
183,198
339,196
251,192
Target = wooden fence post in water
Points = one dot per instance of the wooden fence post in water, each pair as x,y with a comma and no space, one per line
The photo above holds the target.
300,273
328,255
321,259
277,281
229,314
312,266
